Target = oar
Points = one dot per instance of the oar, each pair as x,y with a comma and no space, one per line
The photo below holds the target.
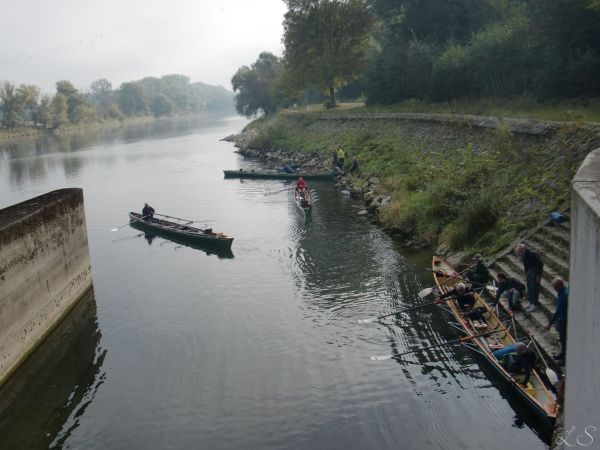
271,193
185,220
454,341
551,374
396,312
130,222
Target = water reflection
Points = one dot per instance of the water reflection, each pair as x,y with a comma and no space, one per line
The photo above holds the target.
29,159
40,405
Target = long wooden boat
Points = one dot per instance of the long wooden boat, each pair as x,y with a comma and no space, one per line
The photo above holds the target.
181,232
241,173
536,395
303,201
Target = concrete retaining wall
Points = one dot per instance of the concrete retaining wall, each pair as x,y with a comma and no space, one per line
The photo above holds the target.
582,394
44,270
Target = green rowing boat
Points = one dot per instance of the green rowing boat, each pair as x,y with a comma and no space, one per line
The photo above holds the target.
241,173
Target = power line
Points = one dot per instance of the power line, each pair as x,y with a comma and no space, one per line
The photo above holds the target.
99,39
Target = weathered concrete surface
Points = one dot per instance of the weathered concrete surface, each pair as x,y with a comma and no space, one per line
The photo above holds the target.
44,270
582,394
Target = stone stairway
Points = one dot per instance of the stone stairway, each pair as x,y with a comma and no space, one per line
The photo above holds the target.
551,242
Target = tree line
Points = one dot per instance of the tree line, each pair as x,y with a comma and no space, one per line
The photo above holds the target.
170,94
432,50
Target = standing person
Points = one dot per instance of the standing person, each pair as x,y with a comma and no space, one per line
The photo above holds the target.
148,213
512,289
336,163
559,319
353,166
340,157
533,267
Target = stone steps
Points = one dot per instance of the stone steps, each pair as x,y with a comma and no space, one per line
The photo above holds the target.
516,267
558,264
552,243
546,340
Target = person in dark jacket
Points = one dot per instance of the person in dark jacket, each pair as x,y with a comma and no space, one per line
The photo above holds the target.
148,213
533,267
464,295
559,319
479,273
510,288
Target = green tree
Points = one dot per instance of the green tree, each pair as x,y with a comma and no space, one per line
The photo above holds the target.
161,105
326,42
11,104
73,96
45,111
60,110
254,86
30,95
131,99
102,95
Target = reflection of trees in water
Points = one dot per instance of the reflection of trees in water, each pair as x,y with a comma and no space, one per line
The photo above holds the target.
41,404
21,153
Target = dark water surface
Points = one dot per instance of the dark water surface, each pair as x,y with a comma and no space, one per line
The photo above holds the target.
183,349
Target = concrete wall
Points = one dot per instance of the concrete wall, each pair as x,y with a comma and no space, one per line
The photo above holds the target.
582,394
44,270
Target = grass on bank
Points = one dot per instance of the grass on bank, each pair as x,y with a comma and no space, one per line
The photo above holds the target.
524,107
467,198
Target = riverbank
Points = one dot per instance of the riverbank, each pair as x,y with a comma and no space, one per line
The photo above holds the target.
455,182
31,131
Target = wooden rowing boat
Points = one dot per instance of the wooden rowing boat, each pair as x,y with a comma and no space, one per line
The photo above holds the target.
241,173
182,232
303,201
536,394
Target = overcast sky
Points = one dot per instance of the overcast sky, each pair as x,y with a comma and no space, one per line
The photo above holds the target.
122,40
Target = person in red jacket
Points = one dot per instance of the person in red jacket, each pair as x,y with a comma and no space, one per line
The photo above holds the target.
301,185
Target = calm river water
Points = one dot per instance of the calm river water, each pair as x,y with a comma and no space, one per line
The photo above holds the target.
183,349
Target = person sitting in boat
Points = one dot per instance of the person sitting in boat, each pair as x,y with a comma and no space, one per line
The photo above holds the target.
301,185
511,289
517,358
148,213
478,273
463,294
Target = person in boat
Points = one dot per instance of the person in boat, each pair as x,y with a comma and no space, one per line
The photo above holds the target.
517,358
301,185
148,212
533,267
511,289
463,294
479,273
559,319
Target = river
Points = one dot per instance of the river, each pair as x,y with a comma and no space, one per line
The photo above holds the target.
180,348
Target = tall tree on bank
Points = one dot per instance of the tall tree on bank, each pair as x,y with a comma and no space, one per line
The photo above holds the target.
254,86
326,42
11,104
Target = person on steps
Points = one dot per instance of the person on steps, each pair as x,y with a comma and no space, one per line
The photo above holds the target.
533,267
559,319
511,289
